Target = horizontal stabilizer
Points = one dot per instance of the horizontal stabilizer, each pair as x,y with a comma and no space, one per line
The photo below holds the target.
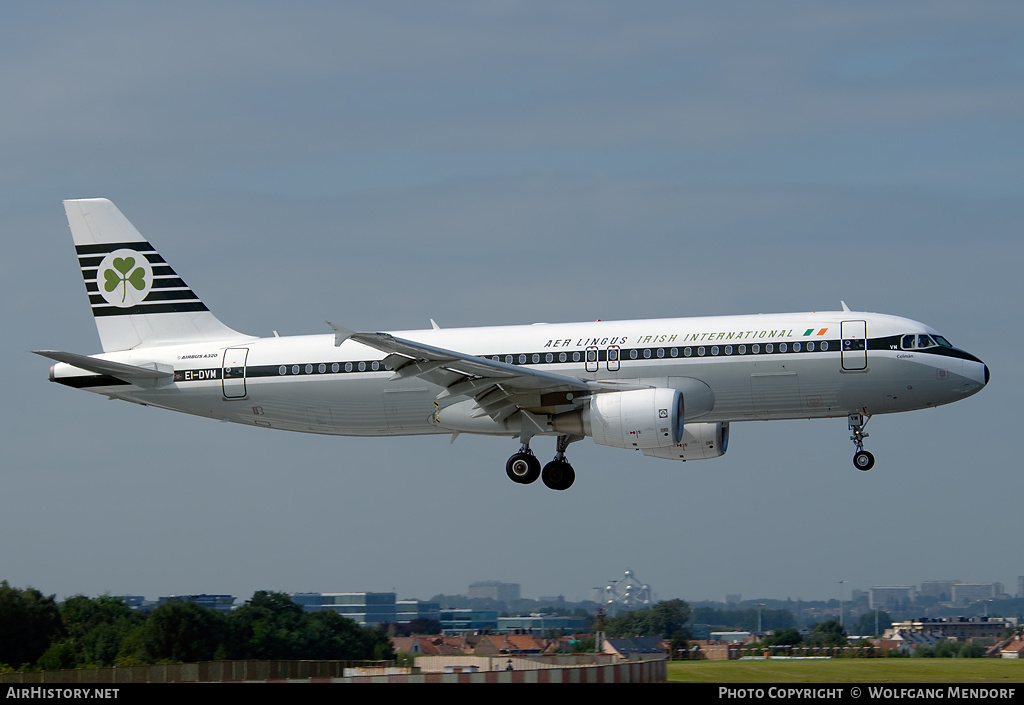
139,376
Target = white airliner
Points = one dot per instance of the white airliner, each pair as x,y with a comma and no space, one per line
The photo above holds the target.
667,387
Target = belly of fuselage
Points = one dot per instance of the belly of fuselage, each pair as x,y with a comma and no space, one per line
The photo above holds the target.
750,389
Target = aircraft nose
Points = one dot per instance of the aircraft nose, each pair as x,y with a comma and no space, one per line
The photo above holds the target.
979,377
975,376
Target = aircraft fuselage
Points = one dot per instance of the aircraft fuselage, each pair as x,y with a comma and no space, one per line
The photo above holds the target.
771,366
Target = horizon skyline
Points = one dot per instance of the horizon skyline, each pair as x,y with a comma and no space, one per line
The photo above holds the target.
655,599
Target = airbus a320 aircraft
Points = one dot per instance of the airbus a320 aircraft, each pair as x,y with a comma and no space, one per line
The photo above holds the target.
669,387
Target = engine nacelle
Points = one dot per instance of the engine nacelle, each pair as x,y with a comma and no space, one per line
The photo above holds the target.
700,442
643,418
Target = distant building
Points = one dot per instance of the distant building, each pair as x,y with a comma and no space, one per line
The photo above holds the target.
713,650
493,644
408,610
136,602
907,642
221,603
939,589
466,620
959,628
733,599
966,593
367,608
556,600
494,590
1013,649
1020,586
699,631
541,624
635,647
891,597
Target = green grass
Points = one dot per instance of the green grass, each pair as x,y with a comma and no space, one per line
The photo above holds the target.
896,670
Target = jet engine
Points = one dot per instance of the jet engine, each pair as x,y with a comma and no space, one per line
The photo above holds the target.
700,442
643,418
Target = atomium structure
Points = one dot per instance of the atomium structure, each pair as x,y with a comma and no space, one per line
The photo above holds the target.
626,594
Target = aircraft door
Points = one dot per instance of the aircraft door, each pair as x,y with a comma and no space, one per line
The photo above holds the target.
233,372
855,344
613,358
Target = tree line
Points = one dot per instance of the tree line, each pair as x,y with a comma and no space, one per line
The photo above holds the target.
665,618
745,619
37,632
831,634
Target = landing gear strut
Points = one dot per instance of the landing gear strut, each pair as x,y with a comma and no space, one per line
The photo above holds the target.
862,460
523,467
558,474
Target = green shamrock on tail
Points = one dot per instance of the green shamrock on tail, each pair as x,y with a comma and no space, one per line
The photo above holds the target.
115,279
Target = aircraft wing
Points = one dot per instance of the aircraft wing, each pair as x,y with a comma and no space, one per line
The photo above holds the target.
499,388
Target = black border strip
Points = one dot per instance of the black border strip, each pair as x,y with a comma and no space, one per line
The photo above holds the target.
215,373
144,309
105,248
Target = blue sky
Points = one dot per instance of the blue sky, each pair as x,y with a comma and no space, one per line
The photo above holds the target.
383,164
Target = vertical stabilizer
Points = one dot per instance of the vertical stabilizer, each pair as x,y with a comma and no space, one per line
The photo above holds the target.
138,300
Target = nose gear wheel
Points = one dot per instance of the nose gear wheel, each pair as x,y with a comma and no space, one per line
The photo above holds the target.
862,459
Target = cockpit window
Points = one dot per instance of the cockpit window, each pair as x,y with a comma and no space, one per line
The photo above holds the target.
919,342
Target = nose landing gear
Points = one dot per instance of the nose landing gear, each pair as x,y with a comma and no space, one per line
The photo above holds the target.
862,459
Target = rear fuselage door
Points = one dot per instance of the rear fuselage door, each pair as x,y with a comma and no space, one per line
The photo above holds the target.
855,344
233,373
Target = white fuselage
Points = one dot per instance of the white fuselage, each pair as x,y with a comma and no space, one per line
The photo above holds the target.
771,366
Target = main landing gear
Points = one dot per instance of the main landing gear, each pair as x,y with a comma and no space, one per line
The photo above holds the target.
524,468
862,459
